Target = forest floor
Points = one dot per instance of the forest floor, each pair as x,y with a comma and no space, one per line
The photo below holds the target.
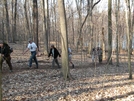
92,82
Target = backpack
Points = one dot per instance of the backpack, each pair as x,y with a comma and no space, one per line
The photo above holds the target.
7,49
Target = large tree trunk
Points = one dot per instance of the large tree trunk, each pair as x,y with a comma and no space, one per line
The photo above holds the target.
28,32
73,26
7,21
103,45
64,40
109,60
129,38
0,77
2,32
79,4
90,30
133,20
117,31
45,24
14,27
35,22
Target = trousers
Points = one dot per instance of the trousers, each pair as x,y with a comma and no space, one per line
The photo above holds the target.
55,60
33,56
8,61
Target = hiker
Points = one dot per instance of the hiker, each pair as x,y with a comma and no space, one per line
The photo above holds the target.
55,53
93,54
99,50
34,50
5,55
70,56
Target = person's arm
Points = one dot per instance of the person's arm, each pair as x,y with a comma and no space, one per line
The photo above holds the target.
25,51
58,53
50,53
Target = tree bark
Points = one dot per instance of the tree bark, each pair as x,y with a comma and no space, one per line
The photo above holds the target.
28,32
0,77
109,60
14,27
128,24
64,40
117,31
45,25
35,22
103,45
7,21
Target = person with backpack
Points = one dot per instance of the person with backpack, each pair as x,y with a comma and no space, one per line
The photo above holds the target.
99,54
55,53
5,55
34,50
93,54
70,56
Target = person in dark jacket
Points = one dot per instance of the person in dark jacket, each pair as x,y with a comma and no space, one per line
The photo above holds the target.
55,53
5,55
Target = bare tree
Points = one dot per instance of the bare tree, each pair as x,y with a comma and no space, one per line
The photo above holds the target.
28,32
117,31
133,19
14,26
0,77
109,60
64,40
7,21
46,24
129,38
35,22
103,44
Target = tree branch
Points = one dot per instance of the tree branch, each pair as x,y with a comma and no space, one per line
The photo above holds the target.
95,4
88,13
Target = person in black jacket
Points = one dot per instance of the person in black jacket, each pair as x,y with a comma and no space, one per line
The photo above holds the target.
5,54
55,53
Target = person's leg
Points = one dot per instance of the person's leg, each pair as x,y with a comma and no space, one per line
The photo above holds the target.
92,58
56,61
35,59
8,61
100,58
30,60
70,60
1,62
53,63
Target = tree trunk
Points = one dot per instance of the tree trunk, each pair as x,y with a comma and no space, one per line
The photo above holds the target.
133,22
117,31
73,26
0,77
7,21
14,27
64,40
28,32
128,24
78,4
35,22
103,45
45,24
109,60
